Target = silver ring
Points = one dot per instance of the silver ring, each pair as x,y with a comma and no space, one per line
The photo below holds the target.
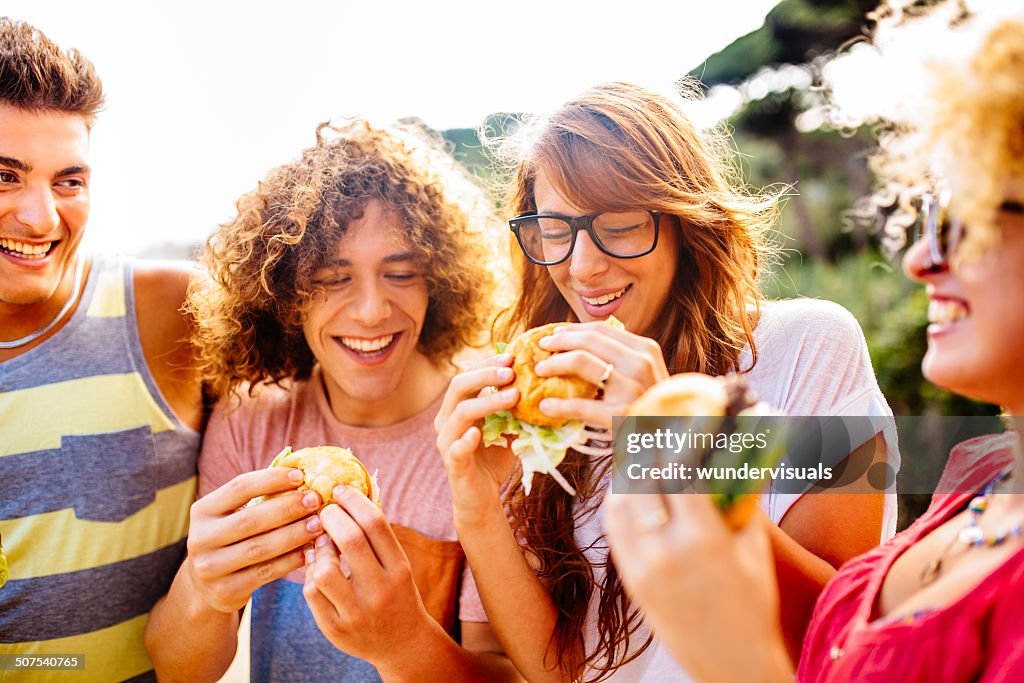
604,378
652,520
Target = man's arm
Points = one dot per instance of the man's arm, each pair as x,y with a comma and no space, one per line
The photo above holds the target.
192,631
165,331
186,639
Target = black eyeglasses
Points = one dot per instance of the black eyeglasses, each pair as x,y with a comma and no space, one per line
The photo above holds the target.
548,239
942,231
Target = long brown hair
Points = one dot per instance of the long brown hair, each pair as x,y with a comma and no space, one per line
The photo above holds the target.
616,147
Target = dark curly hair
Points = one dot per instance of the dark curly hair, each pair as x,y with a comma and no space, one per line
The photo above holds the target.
250,311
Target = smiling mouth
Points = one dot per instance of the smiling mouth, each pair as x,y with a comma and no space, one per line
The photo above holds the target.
945,312
25,250
605,298
369,348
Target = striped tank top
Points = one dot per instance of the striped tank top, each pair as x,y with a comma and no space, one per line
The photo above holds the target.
96,478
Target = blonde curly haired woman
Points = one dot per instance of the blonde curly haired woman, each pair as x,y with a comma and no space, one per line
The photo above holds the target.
944,599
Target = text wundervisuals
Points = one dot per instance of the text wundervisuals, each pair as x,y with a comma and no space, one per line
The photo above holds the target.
744,472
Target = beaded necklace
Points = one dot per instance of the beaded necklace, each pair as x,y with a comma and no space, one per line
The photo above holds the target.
972,535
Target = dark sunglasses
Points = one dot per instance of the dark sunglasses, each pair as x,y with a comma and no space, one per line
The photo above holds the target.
942,231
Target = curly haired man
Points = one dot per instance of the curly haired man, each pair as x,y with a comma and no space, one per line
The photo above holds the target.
338,298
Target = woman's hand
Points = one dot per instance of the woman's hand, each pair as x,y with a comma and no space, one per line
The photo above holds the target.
587,350
475,473
708,593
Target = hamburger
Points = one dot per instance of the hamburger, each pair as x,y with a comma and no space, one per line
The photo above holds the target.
533,389
539,440
728,397
324,467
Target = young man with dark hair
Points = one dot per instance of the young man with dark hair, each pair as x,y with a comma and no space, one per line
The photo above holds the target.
99,401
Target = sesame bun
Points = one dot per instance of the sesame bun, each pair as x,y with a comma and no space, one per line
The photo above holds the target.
325,467
532,389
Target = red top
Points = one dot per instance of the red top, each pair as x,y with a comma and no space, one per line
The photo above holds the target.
979,637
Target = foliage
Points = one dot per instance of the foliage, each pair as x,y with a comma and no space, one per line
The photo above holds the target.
794,32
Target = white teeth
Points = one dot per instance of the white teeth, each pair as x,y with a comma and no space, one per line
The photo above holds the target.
945,312
25,250
604,298
367,345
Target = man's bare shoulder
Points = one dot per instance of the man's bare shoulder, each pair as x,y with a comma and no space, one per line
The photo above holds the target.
163,285
161,288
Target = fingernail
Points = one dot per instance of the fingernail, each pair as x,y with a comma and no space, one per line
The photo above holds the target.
545,342
321,541
546,405
311,500
310,557
505,374
504,358
313,525
339,491
295,475
508,393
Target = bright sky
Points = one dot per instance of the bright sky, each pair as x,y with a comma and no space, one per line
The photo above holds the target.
204,97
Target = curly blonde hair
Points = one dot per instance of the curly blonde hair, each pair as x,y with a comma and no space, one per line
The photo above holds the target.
963,124
251,310
620,147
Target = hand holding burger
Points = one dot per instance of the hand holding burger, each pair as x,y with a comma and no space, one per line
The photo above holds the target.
541,440
325,467
697,395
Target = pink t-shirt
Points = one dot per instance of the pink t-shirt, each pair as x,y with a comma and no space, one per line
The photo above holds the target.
414,486
979,637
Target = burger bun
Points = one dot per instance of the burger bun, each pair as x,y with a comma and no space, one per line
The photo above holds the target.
532,388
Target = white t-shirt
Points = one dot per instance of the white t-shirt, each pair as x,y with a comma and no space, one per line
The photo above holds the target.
812,360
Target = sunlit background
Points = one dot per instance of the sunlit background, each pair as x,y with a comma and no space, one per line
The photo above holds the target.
204,97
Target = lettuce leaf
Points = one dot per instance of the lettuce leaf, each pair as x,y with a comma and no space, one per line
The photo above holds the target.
496,425
540,449
285,452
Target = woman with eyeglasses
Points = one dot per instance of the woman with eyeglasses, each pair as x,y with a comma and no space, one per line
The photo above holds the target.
944,599
623,208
